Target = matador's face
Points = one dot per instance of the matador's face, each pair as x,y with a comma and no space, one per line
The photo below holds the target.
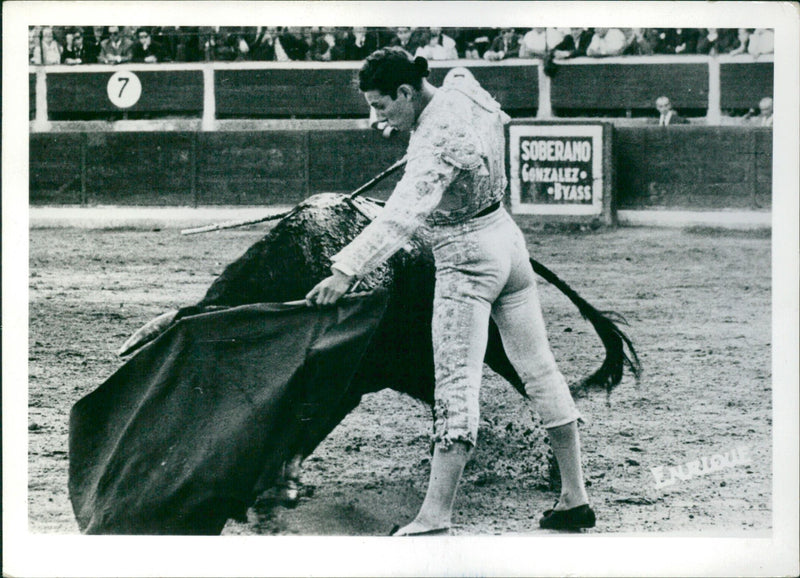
398,112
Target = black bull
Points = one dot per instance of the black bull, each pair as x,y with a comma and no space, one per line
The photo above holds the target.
295,255
287,262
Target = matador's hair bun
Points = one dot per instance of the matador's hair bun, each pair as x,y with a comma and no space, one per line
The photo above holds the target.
422,66
386,69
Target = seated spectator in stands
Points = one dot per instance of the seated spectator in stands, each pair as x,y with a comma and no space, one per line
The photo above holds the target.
359,43
179,44
76,53
606,42
207,38
575,43
47,50
683,40
472,43
60,34
713,41
323,45
505,45
232,43
764,117
291,45
94,44
34,36
638,44
668,116
223,43
129,32
432,49
742,40
145,49
406,38
762,41
448,44
540,42
262,44
115,49
67,44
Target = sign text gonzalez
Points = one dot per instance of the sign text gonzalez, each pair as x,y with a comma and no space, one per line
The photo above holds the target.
556,169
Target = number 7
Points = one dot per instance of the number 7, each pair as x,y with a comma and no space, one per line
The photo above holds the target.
124,80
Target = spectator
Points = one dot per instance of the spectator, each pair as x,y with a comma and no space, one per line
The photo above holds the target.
115,49
94,44
224,43
639,44
60,34
448,45
129,32
742,40
762,41
232,43
472,43
534,43
764,117
359,43
145,49
34,40
262,44
606,42
76,53
406,38
432,49
505,45
575,43
291,45
680,41
47,50
667,116
713,41
179,44
323,45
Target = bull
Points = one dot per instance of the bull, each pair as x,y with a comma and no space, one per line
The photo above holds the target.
295,254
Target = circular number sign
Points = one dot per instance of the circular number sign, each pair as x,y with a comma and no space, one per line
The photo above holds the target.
124,89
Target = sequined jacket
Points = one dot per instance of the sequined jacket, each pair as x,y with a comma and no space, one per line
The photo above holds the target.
455,168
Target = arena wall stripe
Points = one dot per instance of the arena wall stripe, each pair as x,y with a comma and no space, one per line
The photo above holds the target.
682,167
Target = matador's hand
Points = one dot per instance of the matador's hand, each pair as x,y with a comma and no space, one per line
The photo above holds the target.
330,290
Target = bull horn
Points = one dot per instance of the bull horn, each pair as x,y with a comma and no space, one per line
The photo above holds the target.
148,332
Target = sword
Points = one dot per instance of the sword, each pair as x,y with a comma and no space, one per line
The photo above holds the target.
234,224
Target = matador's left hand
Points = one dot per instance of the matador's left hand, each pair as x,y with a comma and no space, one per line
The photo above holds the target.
330,290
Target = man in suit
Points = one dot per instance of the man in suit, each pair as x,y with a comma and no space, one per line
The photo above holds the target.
574,44
667,116
505,45
359,43
765,112
116,48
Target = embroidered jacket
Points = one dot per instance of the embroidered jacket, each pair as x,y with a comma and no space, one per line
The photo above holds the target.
455,168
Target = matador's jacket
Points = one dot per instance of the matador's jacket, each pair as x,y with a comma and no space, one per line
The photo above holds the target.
455,168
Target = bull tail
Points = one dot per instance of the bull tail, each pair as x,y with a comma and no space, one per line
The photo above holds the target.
605,323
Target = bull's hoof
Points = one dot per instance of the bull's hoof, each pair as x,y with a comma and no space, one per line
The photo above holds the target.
289,495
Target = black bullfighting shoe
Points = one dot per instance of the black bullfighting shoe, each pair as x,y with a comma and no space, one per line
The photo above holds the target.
572,519
434,532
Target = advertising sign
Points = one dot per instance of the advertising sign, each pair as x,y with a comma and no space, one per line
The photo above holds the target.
556,169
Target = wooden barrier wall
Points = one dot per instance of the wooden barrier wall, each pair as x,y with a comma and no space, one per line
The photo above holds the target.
163,91
327,90
599,86
693,167
686,167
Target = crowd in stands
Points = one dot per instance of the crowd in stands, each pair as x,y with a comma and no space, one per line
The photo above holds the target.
117,44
